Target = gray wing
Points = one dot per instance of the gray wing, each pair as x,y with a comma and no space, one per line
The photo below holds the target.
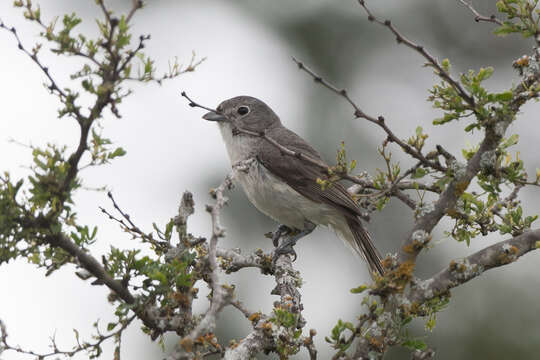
301,175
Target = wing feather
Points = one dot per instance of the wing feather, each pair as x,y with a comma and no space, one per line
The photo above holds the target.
301,175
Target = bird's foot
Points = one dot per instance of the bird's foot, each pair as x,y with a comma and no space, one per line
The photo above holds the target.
280,231
285,248
293,235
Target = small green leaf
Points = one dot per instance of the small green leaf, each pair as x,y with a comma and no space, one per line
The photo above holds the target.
360,289
116,153
419,173
446,65
504,96
472,127
414,344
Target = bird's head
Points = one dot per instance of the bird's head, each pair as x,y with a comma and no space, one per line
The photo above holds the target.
244,112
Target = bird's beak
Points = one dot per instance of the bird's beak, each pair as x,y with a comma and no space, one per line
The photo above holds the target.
212,116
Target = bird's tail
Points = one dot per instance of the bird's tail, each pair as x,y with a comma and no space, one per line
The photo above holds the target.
363,245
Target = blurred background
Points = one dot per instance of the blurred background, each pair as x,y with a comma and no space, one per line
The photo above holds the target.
248,46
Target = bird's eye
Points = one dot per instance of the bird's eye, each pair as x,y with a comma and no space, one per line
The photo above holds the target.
242,110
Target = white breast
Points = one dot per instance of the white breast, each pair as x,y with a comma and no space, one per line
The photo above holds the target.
268,193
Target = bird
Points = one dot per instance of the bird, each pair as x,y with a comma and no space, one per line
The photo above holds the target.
282,184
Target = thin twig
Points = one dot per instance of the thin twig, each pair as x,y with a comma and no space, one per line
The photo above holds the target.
379,121
242,308
194,104
79,347
478,17
136,5
53,86
401,39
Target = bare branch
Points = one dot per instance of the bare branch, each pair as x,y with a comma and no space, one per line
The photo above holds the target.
185,210
463,270
478,17
78,348
221,294
194,104
53,87
310,344
136,5
401,39
379,121
255,342
232,260
242,308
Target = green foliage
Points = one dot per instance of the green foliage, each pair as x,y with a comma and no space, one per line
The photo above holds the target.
414,344
37,216
418,140
522,17
360,289
481,213
284,318
39,208
289,340
338,338
486,105
339,171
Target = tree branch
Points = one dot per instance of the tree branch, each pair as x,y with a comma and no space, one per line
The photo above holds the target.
466,269
379,121
464,174
401,39
79,347
233,260
221,294
478,17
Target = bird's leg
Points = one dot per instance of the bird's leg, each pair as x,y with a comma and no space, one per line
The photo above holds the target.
280,231
286,247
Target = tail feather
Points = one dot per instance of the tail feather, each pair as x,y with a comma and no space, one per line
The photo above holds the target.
364,245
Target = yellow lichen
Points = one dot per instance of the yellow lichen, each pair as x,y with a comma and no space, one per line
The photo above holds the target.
255,317
187,344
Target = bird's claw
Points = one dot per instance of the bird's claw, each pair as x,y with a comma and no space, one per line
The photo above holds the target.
280,231
285,248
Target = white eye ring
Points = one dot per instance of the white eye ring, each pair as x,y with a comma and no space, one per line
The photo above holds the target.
242,110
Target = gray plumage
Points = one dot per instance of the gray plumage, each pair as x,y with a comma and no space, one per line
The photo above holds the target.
285,187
